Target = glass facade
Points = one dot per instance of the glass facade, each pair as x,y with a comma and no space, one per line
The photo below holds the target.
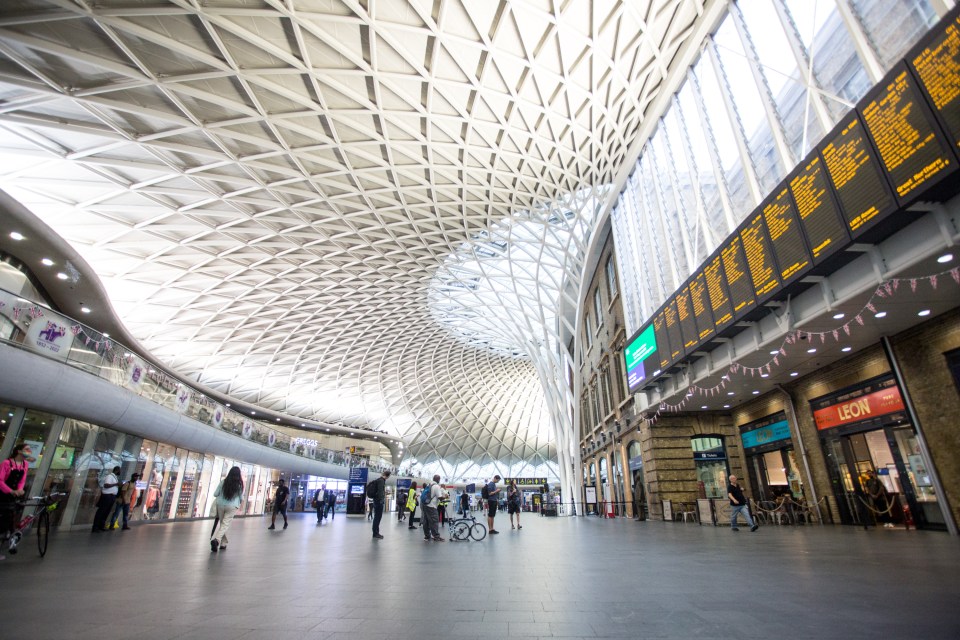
773,78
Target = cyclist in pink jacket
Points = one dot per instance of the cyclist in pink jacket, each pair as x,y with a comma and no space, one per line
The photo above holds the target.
13,477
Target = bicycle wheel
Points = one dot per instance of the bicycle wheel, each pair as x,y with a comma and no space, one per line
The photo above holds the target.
478,532
43,532
460,530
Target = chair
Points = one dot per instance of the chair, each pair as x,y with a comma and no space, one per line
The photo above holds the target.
688,512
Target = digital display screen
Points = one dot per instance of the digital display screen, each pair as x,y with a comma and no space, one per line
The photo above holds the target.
642,360
855,174
818,212
701,306
717,289
738,280
912,151
763,271
663,341
688,326
785,235
672,321
357,489
938,67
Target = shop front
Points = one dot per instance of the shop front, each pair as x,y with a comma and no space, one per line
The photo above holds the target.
710,458
635,464
877,470
768,448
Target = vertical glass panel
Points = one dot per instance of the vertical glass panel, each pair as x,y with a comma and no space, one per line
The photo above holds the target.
836,66
753,120
713,113
685,181
165,469
776,474
787,82
191,473
689,124
674,229
64,466
203,484
8,415
35,430
893,26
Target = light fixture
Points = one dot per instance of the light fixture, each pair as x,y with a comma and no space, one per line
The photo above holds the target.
106,335
726,406
302,424
730,393
755,392
278,419
16,235
228,404
838,316
947,257
47,262
794,374
85,309
253,413
812,350
846,349
62,275
774,352
924,313
328,428
880,314
764,375
703,406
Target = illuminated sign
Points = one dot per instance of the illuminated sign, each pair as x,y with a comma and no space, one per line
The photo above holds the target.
866,406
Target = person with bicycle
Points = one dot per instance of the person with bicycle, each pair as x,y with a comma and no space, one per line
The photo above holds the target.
13,477
431,519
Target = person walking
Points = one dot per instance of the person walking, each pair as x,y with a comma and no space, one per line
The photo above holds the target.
377,491
320,501
126,498
280,504
412,504
13,478
229,493
331,507
493,501
431,519
513,503
109,488
879,502
464,504
401,505
738,505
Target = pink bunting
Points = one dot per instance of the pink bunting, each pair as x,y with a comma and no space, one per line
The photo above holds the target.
846,328
86,340
880,294
783,352
913,285
933,280
956,274
776,361
872,308
836,335
16,313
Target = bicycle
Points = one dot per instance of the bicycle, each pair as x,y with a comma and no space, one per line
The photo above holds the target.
466,528
43,505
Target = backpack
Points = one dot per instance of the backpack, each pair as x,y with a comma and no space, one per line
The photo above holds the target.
425,495
485,492
371,488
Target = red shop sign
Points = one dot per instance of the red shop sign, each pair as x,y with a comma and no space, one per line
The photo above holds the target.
873,404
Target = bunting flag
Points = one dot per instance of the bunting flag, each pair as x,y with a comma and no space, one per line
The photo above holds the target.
956,274
836,335
913,285
933,281
75,330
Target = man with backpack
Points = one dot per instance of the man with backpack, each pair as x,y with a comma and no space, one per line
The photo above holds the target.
429,499
490,494
377,492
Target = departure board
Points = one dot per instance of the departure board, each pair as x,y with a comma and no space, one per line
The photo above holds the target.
700,300
663,342
738,279
910,145
688,326
855,174
819,216
672,321
763,269
720,303
641,358
789,248
938,66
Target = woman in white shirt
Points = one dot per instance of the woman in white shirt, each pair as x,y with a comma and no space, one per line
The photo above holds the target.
229,493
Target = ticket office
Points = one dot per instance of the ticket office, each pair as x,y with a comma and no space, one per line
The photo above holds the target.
865,430
771,460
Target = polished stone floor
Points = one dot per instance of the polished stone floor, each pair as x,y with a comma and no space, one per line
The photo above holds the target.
558,577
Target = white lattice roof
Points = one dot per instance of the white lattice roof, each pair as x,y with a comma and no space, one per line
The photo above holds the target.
364,211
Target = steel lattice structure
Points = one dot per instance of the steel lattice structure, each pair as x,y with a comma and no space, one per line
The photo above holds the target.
360,211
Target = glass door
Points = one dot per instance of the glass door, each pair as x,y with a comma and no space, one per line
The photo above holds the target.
914,478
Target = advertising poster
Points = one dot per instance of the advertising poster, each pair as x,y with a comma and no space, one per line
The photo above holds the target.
136,371
50,335
182,399
591,495
218,416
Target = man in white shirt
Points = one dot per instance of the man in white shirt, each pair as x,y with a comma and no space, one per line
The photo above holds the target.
431,518
109,487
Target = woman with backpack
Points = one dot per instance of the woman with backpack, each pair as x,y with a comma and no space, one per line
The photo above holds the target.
513,503
229,494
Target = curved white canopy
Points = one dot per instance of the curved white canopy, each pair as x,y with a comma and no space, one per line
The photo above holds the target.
369,212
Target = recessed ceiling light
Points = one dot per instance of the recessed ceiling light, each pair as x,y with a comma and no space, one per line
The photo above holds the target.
764,375
302,425
947,257
253,413
880,314
16,235
106,335
730,393
774,352
278,419
838,316
228,404
846,349
47,262
726,406
755,392
85,309
812,350
328,429
703,406
62,275
924,313
794,374
351,433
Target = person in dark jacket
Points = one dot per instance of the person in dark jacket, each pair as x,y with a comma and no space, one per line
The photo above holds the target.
378,495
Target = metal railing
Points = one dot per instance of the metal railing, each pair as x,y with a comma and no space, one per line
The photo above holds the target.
35,327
